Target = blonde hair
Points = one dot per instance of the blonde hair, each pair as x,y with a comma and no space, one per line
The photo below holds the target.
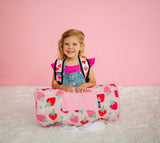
69,33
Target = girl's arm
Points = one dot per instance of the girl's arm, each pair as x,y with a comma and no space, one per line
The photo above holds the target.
92,82
62,87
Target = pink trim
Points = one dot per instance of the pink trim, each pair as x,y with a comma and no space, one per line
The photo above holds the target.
52,65
72,69
91,61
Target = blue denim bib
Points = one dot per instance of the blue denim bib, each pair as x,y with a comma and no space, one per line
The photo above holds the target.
73,79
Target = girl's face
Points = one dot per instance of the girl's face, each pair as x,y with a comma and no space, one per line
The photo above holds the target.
71,47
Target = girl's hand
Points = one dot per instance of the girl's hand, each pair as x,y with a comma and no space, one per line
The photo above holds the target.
66,88
81,88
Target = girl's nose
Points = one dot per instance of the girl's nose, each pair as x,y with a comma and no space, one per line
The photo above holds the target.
70,46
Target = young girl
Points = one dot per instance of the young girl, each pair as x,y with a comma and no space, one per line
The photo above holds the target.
71,47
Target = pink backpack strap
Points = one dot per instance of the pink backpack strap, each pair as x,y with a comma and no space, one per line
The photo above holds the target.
58,71
85,66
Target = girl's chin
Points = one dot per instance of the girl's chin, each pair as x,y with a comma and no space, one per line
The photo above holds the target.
72,56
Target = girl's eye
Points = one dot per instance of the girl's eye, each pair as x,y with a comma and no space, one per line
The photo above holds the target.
66,44
75,44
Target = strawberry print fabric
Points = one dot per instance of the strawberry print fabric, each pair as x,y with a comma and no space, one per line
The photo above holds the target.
50,110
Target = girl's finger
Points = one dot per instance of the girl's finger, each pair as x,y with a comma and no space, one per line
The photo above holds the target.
81,90
71,90
77,90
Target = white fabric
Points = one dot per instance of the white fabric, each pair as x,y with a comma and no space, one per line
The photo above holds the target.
139,119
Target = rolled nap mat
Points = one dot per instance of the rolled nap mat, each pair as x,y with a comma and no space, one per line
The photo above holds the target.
54,106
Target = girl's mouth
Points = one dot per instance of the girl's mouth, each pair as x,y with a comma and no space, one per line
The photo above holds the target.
70,52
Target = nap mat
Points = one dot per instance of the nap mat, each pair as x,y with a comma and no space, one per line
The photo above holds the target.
54,106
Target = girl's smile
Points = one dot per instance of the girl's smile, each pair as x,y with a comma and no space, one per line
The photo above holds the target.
70,52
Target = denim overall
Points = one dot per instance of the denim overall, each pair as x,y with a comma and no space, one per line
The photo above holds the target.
73,79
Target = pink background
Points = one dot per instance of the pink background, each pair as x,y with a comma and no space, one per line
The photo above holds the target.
123,36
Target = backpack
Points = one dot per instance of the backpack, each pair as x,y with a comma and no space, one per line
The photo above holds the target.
59,66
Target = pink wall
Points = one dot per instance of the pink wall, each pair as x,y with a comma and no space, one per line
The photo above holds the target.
123,35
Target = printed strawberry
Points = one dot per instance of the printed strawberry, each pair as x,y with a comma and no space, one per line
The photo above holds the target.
50,101
101,97
107,90
84,121
59,76
74,118
59,94
112,85
42,118
102,111
57,69
91,114
85,68
116,93
62,109
44,89
106,119
79,111
71,124
40,96
83,62
113,105
53,115
59,65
